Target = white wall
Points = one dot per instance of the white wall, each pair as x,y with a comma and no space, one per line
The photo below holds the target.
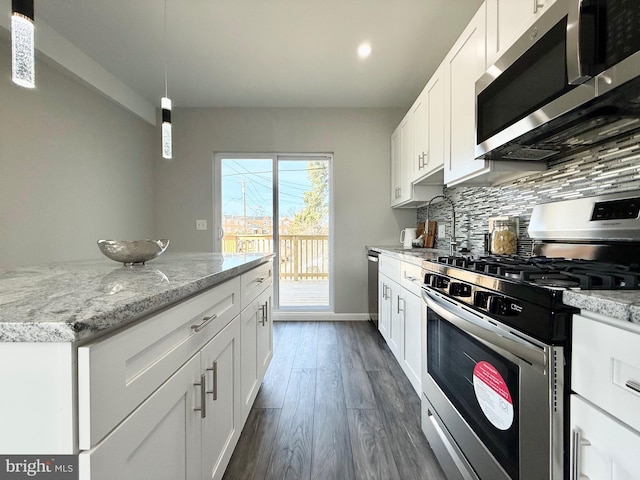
360,142
74,167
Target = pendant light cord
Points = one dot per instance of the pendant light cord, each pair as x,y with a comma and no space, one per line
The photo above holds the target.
166,89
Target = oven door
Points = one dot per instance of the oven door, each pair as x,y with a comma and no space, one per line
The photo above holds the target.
490,393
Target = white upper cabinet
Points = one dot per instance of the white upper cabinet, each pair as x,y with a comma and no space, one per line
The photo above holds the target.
428,131
404,193
463,65
507,20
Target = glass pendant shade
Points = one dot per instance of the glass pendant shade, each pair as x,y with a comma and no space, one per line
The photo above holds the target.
22,44
165,104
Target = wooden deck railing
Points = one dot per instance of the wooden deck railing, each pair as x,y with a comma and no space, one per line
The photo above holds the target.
302,257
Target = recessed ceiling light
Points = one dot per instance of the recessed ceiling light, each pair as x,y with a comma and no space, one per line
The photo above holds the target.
364,50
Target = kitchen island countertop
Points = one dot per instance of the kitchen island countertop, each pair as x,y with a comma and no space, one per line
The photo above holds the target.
77,301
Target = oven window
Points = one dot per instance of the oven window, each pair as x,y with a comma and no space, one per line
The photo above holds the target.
482,385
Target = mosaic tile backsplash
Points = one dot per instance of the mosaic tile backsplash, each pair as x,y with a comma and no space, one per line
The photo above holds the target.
613,167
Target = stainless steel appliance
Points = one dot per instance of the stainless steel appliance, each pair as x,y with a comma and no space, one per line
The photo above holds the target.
570,82
496,379
372,285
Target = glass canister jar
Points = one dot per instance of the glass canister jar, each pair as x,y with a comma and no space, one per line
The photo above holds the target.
504,237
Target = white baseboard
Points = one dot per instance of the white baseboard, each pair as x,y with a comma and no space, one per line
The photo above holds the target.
280,316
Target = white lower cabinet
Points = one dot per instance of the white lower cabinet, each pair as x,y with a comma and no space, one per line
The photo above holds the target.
187,429
384,306
396,333
222,418
160,440
603,448
412,352
257,347
605,408
400,315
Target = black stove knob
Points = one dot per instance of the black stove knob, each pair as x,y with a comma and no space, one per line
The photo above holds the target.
481,299
440,281
458,289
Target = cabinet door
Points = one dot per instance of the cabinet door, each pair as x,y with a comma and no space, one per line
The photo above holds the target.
264,346
256,347
222,425
420,119
396,167
160,440
401,152
248,362
436,122
428,130
602,447
412,353
396,333
507,20
384,307
463,66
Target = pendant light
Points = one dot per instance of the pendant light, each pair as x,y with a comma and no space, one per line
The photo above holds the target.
22,44
165,102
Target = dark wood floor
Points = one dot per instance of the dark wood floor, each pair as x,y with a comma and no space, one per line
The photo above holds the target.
334,405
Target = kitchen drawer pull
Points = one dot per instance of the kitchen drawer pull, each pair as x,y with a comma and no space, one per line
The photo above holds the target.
203,396
635,386
214,391
204,322
261,279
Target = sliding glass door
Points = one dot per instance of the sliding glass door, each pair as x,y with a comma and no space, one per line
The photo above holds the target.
279,204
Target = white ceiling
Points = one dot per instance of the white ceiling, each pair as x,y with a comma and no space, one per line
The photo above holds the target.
265,53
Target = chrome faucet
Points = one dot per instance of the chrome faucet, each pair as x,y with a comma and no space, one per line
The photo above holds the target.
452,243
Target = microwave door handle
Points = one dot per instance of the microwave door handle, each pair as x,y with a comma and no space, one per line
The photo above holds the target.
490,335
575,75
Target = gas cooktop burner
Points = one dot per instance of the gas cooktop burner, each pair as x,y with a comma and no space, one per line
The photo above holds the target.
552,272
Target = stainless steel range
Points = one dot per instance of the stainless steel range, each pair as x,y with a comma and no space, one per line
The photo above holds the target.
496,374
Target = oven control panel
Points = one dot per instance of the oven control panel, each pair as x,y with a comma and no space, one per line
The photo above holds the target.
472,295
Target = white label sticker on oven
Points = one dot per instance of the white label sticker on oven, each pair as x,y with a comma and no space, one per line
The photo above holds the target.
493,395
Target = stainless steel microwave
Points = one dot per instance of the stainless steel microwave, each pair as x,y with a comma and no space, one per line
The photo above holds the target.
571,82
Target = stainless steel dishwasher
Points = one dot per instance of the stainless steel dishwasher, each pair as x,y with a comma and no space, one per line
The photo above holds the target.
372,282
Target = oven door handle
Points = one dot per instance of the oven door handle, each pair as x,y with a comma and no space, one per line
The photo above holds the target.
494,337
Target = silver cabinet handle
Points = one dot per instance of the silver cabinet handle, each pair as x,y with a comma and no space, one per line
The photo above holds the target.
576,443
263,309
214,391
261,279
204,322
203,396
536,6
635,386
400,298
265,313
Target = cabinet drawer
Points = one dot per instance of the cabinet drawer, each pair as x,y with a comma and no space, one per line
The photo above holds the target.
117,373
255,281
606,367
606,449
412,277
390,267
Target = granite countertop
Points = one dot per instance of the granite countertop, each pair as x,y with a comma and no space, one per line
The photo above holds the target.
76,301
411,255
622,305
